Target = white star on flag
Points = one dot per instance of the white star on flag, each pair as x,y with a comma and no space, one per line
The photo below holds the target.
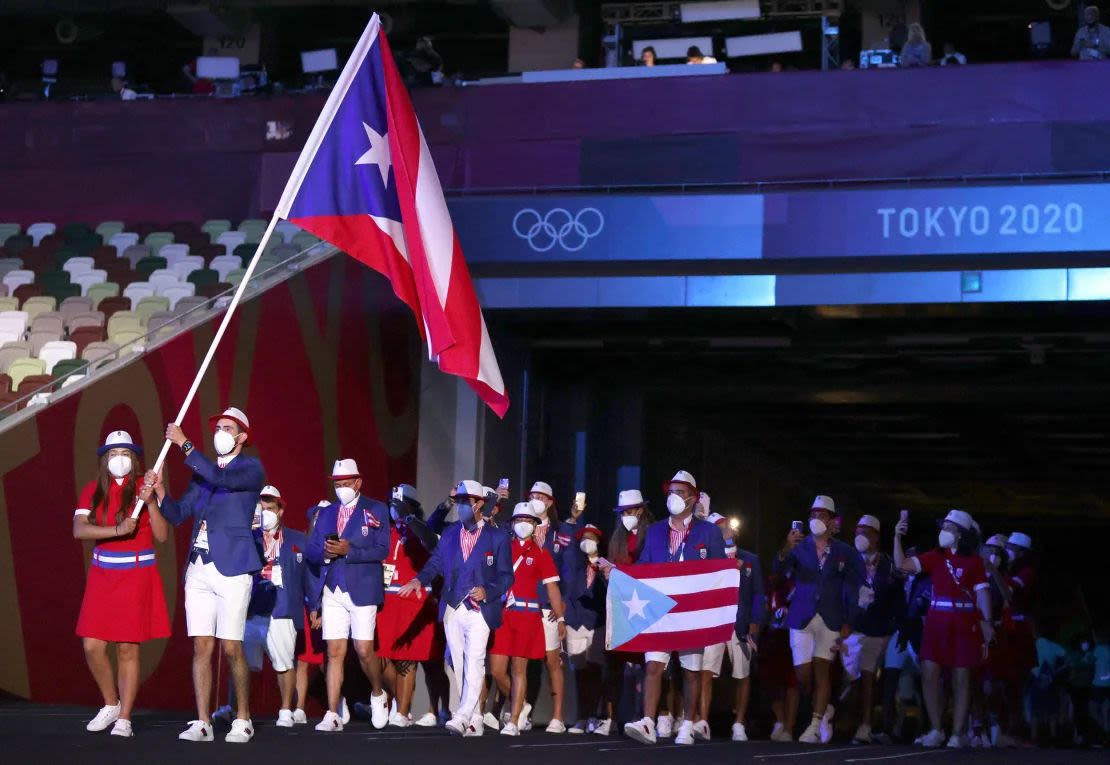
377,154
636,606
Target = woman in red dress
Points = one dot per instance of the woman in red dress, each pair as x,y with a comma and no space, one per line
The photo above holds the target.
124,602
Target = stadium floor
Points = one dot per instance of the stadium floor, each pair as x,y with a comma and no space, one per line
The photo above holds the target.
45,735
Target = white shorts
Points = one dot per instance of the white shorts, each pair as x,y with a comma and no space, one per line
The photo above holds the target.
550,632
862,653
688,660
584,647
281,644
343,619
216,605
714,656
815,641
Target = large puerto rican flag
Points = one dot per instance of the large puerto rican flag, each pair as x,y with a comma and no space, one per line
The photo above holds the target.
366,183
671,606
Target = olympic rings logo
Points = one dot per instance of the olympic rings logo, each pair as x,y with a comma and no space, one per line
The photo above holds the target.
558,227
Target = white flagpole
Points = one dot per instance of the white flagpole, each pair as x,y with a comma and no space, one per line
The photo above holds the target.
212,349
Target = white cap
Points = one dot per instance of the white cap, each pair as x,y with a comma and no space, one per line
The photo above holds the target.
527,510
703,500
821,502
469,488
235,413
342,469
270,491
1018,539
628,499
542,487
715,518
870,522
486,491
118,439
961,518
683,476
998,540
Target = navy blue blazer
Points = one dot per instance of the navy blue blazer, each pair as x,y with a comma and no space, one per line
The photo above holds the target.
751,606
585,606
225,498
287,601
703,542
488,566
881,617
359,573
832,591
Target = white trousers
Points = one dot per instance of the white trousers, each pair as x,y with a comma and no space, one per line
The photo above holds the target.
467,637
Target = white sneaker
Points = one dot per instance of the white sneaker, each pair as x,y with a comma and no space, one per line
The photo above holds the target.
105,717
862,735
398,720
456,726
739,732
826,727
664,726
123,728
642,731
812,733
931,740
427,720
285,718
241,732
299,717
556,726
685,733
344,711
701,730
603,727
524,722
510,730
475,729
332,723
780,735
491,721
379,710
957,741
578,728
198,730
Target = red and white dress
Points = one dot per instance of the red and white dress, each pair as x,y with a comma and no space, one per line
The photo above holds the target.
952,636
1014,652
124,601
521,630
407,626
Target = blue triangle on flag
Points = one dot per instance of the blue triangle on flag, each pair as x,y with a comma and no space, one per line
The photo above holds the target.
633,607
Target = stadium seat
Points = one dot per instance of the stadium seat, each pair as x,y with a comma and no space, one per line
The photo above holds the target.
79,265
122,320
74,378
231,239
160,319
86,280
50,279
119,272
24,367
33,306
25,291
17,278
99,292
215,289
244,252
123,240
86,245
10,264
7,400
62,291
209,251
8,229
215,227
63,256
86,319
111,305
18,244
83,336
284,231
5,383
11,351
149,306
136,291
173,252
53,352
40,384
157,240
7,337
51,243
305,240
75,306
76,230
9,304
225,264
254,228
163,277
14,321
38,339
136,253
109,228
144,229
186,304
126,339
177,291
99,351
63,368
48,321
235,276
187,265
145,267
38,230
204,277
103,255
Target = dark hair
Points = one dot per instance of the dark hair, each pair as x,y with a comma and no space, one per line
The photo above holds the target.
618,540
694,52
651,48
103,484
969,542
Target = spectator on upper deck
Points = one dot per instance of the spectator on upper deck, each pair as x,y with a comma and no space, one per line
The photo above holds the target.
695,56
648,57
1092,40
917,51
952,57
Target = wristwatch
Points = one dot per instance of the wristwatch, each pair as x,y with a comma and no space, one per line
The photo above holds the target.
187,447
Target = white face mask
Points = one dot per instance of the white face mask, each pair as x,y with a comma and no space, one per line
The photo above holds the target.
630,522
224,442
676,505
863,544
817,527
345,494
946,539
523,529
120,465
588,546
269,520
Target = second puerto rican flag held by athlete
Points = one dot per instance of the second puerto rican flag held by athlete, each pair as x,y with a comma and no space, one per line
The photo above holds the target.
366,183
671,606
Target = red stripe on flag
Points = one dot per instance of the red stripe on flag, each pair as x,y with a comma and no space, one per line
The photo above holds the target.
685,640
697,601
684,568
